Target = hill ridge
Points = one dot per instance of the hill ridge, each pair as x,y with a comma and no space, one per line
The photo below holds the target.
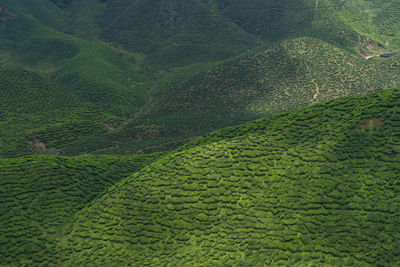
228,200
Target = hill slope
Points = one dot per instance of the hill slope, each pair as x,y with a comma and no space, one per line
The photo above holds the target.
38,117
318,186
178,69
36,40
39,195
295,73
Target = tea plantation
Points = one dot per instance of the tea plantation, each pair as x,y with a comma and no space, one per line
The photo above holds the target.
38,117
294,73
40,195
318,186
90,89
178,69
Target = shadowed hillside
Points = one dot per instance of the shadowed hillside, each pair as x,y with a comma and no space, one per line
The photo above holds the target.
293,74
306,186
175,69
38,117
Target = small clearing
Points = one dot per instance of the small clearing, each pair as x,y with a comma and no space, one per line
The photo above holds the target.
40,147
370,123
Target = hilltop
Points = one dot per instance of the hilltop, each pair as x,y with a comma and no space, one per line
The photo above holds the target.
317,185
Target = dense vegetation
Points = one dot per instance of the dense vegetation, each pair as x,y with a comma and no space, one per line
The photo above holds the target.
119,79
293,74
175,69
38,117
40,195
316,186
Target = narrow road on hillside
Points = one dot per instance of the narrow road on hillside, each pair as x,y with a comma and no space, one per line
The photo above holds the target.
316,91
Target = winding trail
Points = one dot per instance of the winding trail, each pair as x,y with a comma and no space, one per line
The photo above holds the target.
111,128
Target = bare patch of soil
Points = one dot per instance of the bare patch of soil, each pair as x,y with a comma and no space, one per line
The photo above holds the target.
370,123
40,147
5,14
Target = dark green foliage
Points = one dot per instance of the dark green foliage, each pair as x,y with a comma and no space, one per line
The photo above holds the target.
173,34
178,69
273,20
61,3
293,74
51,51
38,117
388,19
316,186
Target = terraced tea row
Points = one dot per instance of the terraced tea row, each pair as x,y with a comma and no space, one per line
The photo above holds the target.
182,69
38,117
316,186
40,195
294,74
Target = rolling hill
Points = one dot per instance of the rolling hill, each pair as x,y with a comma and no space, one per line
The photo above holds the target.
89,89
177,69
315,186
295,73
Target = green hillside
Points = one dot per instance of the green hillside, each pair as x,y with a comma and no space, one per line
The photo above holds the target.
306,186
272,20
317,186
295,73
178,69
38,117
173,33
39,196
36,39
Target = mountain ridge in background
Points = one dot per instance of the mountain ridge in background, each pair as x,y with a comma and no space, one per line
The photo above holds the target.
124,56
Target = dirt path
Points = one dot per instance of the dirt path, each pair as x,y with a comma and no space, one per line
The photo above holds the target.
316,91
112,129
368,57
